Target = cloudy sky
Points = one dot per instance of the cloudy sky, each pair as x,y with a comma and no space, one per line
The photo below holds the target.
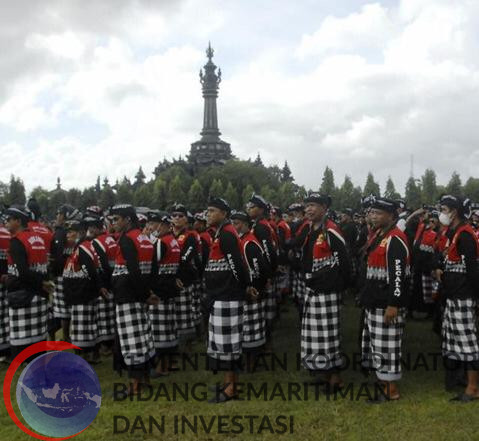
93,88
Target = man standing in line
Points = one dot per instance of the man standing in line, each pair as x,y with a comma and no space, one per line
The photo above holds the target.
327,271
227,283
384,297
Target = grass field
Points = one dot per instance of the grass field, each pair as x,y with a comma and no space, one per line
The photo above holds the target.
423,413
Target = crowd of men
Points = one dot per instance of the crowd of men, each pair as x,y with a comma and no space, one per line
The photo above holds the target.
139,283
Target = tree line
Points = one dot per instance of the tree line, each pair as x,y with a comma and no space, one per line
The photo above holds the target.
179,181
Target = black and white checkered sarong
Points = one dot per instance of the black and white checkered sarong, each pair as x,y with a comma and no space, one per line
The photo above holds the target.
225,330
83,325
429,286
60,308
134,332
163,324
4,328
381,344
105,314
321,331
269,305
184,313
196,296
29,324
254,325
460,334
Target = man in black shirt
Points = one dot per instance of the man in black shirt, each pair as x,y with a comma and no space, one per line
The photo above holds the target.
227,284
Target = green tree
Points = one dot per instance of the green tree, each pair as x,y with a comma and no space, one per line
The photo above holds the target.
454,186
327,184
43,198
139,178
124,194
107,197
57,198
258,161
413,193
160,194
216,189
73,197
471,189
286,194
268,194
97,185
348,196
196,197
143,196
175,191
429,187
286,175
231,195
16,192
390,191
371,186
246,195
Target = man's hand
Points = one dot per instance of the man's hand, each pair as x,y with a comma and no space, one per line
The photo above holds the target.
390,315
48,286
3,279
153,299
252,292
179,284
437,274
104,293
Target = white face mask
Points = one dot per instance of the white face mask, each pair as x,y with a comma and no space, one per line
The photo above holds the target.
445,219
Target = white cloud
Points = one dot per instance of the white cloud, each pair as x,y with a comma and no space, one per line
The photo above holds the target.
371,27
360,91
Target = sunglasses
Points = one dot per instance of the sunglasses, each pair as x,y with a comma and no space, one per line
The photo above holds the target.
115,218
177,215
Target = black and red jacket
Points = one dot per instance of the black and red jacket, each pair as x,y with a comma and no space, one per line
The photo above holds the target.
190,262
326,263
226,276
255,260
166,264
299,233
284,237
461,269
4,246
105,247
81,278
27,262
206,242
44,232
424,249
388,270
266,237
131,278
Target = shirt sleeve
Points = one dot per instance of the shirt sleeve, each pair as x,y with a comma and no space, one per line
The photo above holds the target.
88,264
106,269
257,265
229,247
264,237
467,249
29,279
338,247
130,254
397,252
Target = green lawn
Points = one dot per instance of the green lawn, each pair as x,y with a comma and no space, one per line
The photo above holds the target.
423,413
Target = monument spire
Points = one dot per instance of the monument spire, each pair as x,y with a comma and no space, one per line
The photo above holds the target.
210,149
